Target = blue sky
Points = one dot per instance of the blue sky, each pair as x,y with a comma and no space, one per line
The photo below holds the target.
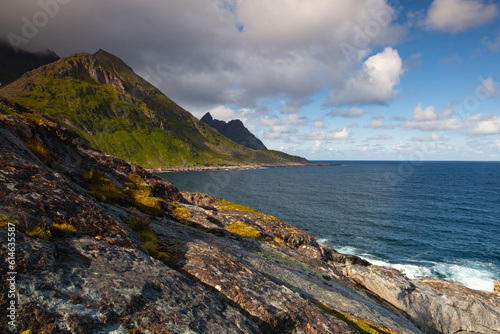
324,79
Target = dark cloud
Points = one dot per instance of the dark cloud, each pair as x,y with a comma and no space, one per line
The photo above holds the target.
203,53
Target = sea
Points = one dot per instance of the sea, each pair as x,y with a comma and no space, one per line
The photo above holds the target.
426,219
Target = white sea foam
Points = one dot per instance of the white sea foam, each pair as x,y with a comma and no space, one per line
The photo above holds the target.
474,275
322,241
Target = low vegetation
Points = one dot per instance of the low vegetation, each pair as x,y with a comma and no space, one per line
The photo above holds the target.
243,230
362,326
238,207
148,238
137,194
41,151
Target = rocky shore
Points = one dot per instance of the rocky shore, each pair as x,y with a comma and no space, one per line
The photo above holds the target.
104,246
236,167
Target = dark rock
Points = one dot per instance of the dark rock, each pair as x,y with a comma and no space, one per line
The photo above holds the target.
265,276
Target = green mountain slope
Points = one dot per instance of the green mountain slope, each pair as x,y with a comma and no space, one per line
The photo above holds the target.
120,113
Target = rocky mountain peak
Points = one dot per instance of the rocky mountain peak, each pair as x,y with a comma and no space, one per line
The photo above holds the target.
234,130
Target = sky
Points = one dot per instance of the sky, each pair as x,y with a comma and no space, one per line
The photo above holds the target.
323,79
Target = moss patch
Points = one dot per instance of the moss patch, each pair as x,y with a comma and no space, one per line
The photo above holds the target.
362,326
136,194
62,230
243,229
238,207
102,188
148,238
40,232
139,193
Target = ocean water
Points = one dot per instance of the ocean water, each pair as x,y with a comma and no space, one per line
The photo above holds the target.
433,219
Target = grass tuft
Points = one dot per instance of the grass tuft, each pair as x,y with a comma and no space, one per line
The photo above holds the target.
41,151
243,229
40,232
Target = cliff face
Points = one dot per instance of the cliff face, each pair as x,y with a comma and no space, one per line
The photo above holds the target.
118,112
102,245
236,131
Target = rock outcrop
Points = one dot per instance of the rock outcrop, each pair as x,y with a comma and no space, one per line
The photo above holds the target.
103,246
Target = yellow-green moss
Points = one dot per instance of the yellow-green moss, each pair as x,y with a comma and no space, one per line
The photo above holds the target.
238,207
41,151
139,192
101,187
182,213
148,238
279,240
5,220
29,331
362,326
243,229
62,230
40,232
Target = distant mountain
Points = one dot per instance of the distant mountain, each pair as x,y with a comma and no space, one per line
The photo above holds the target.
118,112
14,64
236,131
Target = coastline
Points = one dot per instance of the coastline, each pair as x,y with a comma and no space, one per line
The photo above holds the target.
234,167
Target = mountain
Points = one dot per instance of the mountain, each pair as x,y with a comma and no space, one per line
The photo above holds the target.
236,131
94,244
13,64
118,112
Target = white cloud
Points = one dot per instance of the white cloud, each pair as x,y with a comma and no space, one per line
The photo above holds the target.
379,124
351,113
487,127
319,124
427,114
488,89
278,127
374,83
458,15
433,137
492,45
321,135
381,137
427,119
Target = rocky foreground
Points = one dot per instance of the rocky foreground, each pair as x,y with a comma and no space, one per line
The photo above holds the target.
103,246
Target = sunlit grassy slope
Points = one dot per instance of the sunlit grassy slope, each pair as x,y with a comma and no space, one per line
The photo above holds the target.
101,98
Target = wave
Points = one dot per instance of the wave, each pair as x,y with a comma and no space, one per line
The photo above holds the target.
472,274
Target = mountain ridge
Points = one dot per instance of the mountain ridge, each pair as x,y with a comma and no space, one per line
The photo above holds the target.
120,113
236,131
